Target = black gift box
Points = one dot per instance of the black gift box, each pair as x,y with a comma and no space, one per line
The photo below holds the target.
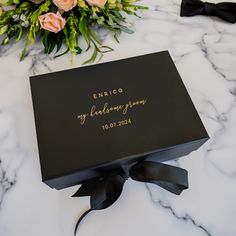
92,120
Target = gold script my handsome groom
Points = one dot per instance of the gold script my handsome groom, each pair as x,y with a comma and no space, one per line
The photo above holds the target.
106,108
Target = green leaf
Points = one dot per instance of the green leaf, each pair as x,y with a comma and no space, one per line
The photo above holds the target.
78,50
99,59
59,44
3,29
116,35
119,16
125,29
23,53
92,58
45,41
110,28
53,9
59,55
19,34
84,30
94,36
137,7
65,30
59,40
52,44
109,49
5,41
49,41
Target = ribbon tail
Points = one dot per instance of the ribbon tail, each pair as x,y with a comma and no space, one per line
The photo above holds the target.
80,219
171,187
103,193
171,178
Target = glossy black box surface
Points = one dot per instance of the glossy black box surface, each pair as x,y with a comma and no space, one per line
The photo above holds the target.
132,108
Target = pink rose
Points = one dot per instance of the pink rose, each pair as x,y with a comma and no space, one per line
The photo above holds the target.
97,3
52,22
65,5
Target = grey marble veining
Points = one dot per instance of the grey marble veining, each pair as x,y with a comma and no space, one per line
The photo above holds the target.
204,51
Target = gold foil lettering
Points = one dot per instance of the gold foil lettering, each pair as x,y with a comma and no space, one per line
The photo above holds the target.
82,118
107,93
106,109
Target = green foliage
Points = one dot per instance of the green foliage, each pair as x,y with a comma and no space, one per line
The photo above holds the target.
81,21
71,32
83,28
34,21
6,17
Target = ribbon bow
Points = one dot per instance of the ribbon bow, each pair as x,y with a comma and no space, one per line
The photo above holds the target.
224,10
105,191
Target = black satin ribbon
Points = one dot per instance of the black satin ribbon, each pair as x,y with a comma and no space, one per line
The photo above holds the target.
105,191
224,10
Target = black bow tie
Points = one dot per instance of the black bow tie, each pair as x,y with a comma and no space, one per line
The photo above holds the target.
224,10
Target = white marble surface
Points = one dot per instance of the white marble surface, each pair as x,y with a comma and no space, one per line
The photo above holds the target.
204,51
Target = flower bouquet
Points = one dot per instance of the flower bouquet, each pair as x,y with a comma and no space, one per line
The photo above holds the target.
62,22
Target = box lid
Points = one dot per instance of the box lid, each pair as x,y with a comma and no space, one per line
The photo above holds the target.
99,114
